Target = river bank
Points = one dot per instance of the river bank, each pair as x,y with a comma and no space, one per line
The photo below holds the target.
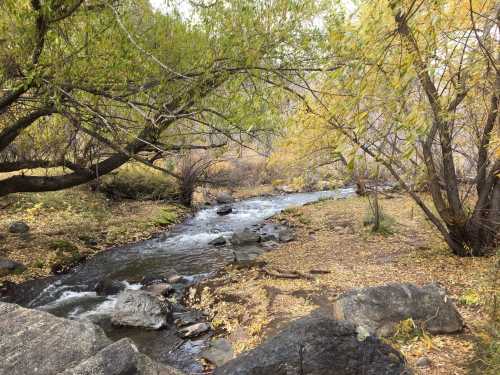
247,306
74,225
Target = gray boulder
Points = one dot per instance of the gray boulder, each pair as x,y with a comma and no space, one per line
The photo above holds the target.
36,342
32,339
120,358
246,256
247,237
138,308
224,198
316,345
9,266
379,309
18,227
115,359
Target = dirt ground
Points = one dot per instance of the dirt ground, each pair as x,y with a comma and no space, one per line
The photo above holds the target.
248,305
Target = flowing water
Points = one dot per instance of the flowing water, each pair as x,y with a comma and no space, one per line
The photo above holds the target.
185,250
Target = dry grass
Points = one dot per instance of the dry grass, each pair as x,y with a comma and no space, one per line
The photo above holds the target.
248,306
73,218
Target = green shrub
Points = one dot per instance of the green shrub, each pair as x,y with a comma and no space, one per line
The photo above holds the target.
138,182
166,217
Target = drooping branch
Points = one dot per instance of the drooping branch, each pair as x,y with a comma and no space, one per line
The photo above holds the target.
10,133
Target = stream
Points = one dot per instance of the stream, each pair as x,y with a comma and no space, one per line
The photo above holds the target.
184,250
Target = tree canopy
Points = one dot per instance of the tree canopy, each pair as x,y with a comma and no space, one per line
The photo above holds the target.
409,85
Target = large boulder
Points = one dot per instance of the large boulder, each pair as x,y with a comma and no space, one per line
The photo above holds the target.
316,345
32,339
115,359
9,266
36,342
379,309
247,237
138,308
120,358
224,198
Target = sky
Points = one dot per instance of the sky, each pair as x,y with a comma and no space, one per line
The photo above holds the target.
183,6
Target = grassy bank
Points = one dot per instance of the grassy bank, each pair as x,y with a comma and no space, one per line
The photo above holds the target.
68,226
249,305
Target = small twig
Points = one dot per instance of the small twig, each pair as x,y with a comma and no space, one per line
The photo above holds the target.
287,274
319,272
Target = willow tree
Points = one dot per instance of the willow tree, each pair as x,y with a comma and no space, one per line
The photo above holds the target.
86,86
417,91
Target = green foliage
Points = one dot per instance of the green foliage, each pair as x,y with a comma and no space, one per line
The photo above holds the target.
166,217
470,298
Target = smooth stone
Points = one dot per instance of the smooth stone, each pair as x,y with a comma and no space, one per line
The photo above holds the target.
19,227
194,330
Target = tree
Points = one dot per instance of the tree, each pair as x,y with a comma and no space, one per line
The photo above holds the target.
88,85
417,92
